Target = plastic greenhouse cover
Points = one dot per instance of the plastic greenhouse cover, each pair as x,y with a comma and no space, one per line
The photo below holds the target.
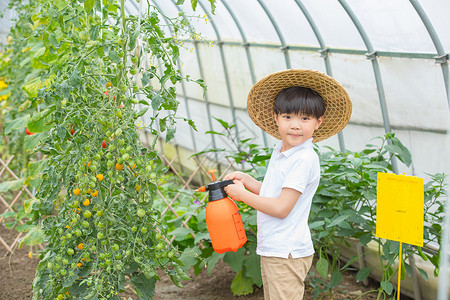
390,25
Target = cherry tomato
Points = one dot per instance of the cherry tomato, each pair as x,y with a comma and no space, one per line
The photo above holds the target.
104,144
87,214
28,132
141,212
72,131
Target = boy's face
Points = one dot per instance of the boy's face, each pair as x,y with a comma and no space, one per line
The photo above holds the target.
296,128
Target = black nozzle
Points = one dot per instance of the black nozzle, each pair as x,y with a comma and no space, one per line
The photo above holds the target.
216,191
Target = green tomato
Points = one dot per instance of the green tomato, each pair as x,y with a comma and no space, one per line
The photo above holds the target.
70,251
65,261
100,235
134,228
111,147
49,265
85,224
100,213
144,229
115,247
78,232
126,156
87,214
141,213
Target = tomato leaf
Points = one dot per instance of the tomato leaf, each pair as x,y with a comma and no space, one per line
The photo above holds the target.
145,287
13,185
16,124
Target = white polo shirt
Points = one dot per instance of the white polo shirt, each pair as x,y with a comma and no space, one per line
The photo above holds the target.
297,168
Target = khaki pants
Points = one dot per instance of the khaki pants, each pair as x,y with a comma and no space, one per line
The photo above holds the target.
283,278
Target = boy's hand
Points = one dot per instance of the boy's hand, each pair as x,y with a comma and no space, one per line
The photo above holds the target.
248,181
239,176
236,191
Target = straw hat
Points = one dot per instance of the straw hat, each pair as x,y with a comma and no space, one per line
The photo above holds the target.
262,97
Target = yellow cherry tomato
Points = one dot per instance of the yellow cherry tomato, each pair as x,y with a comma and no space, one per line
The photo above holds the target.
119,167
100,177
77,191
94,193
86,202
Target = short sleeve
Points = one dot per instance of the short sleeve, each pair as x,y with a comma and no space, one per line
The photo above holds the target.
298,175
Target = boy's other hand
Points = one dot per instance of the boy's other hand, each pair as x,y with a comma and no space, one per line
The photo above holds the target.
239,176
236,191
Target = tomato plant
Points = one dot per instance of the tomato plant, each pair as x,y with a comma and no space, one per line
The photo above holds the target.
79,69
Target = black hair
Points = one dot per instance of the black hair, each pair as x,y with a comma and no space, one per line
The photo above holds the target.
299,100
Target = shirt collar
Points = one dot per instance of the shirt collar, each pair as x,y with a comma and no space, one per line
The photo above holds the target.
306,144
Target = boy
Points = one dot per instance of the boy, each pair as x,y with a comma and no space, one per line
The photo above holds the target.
299,107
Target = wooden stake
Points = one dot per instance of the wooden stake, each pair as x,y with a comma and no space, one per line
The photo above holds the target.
399,270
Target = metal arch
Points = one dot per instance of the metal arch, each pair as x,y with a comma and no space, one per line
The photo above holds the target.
224,65
208,111
324,53
284,47
372,55
442,57
246,46
183,87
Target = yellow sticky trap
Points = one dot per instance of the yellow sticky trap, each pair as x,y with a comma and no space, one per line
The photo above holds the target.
400,201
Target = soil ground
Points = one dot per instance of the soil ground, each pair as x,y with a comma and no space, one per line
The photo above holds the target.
17,273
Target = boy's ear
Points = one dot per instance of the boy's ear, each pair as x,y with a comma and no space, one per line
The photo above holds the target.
319,122
275,118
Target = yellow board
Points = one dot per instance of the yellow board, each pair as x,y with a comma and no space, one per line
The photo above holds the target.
400,208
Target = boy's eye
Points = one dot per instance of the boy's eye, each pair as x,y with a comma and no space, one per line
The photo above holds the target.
287,116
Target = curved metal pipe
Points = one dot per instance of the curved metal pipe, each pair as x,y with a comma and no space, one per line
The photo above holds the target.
183,87
442,57
246,46
284,47
324,53
225,69
372,55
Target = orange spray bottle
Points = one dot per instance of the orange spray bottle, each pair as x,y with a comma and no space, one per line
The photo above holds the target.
223,220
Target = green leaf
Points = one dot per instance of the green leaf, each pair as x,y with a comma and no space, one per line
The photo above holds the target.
338,220
365,238
13,185
34,237
142,112
252,265
316,224
133,37
223,123
235,259
189,257
180,233
322,267
114,56
16,124
212,261
145,287
423,273
336,278
387,286
88,5
351,260
32,141
363,274
38,124
194,4
213,5
241,285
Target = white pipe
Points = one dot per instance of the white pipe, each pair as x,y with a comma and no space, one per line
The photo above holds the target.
443,266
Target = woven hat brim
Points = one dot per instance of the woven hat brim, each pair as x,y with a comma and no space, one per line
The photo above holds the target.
262,97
